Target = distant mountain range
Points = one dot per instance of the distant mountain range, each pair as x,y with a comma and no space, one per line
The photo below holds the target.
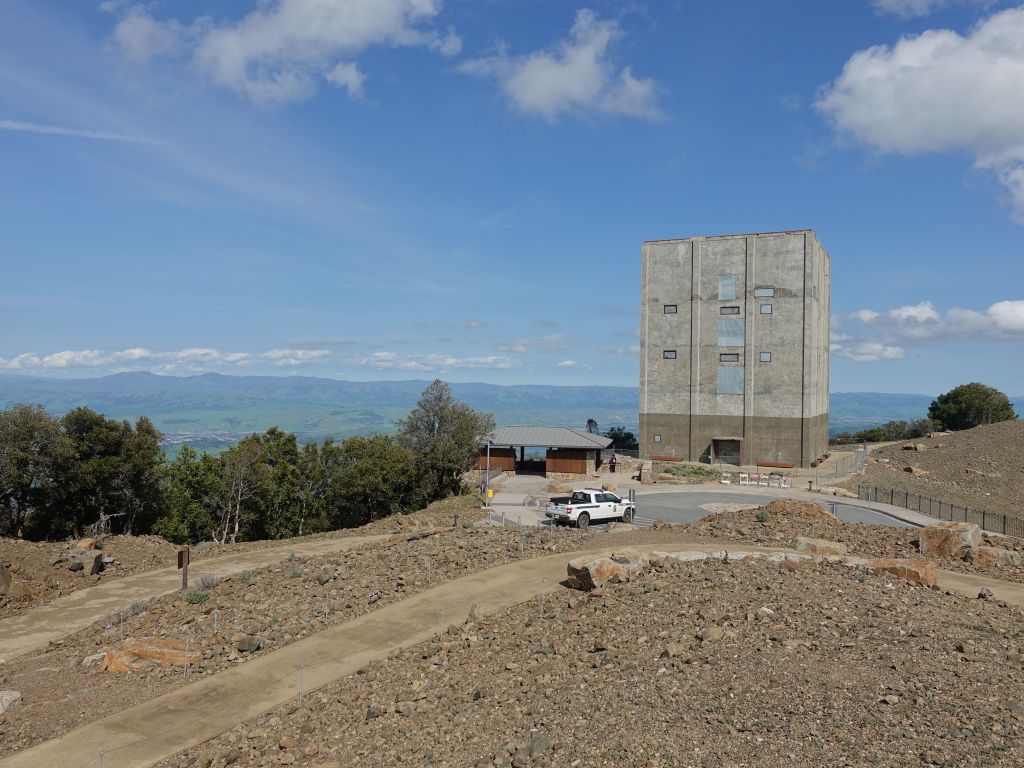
212,409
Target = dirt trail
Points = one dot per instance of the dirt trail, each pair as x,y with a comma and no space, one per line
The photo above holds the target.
189,716
36,627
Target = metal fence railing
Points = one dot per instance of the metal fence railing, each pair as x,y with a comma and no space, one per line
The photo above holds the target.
996,522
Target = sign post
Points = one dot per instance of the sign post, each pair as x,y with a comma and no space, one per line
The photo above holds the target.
183,566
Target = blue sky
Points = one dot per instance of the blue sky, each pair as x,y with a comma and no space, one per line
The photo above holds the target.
376,189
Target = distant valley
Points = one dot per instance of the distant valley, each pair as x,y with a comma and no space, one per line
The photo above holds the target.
212,410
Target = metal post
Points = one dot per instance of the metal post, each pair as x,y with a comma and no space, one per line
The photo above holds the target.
441,630
185,671
101,758
487,476
302,671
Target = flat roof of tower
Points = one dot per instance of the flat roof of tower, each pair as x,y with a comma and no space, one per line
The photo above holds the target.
738,234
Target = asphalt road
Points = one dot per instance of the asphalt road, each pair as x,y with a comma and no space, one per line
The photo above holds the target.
685,507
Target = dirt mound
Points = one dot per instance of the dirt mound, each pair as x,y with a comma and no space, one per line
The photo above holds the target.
40,571
788,510
757,666
980,468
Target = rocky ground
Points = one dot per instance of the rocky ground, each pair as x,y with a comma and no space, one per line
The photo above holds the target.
698,664
779,523
39,571
263,610
980,468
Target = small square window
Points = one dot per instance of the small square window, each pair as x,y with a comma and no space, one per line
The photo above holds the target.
669,354
729,357
670,309
729,310
764,293
657,438
766,357
766,309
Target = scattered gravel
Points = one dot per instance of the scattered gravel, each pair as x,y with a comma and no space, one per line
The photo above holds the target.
702,664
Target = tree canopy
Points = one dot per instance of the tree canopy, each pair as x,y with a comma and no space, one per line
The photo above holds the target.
971,405
83,472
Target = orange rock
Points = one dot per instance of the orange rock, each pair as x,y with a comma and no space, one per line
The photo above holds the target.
917,571
86,545
948,539
164,651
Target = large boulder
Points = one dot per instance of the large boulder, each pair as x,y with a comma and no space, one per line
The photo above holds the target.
917,571
85,545
948,539
7,698
993,557
587,573
820,546
134,653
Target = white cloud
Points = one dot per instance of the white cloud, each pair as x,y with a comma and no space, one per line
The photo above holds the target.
864,315
578,76
473,324
391,360
923,322
941,91
909,9
868,352
567,364
279,52
59,130
347,75
191,360
551,344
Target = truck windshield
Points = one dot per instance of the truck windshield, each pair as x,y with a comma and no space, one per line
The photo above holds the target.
580,496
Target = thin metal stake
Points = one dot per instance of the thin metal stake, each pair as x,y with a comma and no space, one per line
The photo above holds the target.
216,619
302,671
442,621
101,758
185,671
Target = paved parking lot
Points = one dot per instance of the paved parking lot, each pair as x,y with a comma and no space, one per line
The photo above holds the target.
684,507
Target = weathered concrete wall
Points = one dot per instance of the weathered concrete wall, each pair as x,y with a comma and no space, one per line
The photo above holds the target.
780,408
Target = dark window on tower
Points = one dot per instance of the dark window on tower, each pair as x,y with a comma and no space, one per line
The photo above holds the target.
729,311
669,354
670,309
729,357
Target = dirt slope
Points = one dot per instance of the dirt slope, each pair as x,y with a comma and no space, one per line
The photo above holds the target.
981,467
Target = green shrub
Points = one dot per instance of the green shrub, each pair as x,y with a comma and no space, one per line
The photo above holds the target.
195,596
207,581
246,576
293,557
295,573
139,606
761,516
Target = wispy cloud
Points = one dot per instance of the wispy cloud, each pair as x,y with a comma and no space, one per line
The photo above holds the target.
627,351
190,360
551,344
394,361
76,133
567,364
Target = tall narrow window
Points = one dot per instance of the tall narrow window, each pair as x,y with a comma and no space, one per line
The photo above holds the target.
726,287
669,354
730,332
730,379
671,309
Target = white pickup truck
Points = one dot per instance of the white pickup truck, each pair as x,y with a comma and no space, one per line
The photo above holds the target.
588,505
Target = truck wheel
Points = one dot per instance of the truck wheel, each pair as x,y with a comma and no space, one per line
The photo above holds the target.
627,514
583,521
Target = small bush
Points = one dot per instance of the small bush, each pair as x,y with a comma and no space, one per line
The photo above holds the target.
139,606
195,596
762,516
294,574
246,576
292,557
207,581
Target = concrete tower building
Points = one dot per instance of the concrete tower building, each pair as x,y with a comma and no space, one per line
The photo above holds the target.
734,340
